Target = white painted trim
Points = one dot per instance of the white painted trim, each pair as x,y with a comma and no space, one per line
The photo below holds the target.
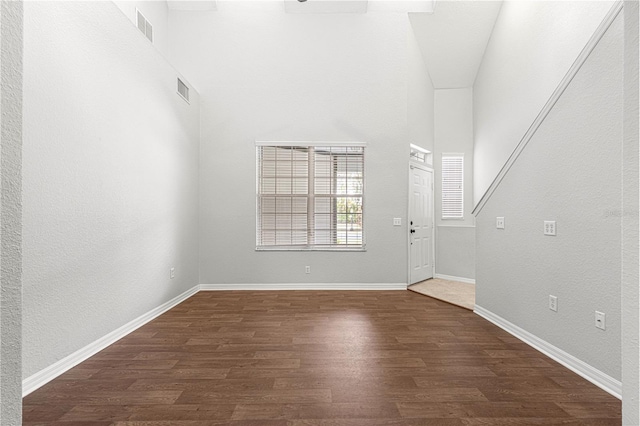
573,71
304,286
595,376
44,376
455,226
419,148
452,278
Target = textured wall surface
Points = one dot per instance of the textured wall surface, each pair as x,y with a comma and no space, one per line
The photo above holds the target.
630,249
532,46
276,76
569,172
11,39
156,12
455,248
456,251
420,96
110,178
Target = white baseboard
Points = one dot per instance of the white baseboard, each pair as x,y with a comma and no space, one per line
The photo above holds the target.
595,376
452,278
44,376
305,286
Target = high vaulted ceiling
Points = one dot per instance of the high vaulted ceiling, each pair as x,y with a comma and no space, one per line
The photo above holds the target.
453,39
452,34
192,5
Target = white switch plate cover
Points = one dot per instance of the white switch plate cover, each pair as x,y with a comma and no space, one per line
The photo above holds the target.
307,269
397,221
600,320
549,227
553,303
172,273
500,222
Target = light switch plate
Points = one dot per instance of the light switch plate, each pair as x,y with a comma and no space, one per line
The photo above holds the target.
397,221
600,320
553,303
550,227
500,222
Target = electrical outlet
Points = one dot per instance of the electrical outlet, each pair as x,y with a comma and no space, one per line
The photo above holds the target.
397,221
600,320
550,227
500,222
307,269
172,273
553,303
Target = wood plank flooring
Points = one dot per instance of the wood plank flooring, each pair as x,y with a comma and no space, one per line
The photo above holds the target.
305,358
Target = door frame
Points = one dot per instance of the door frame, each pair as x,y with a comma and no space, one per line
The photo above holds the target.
421,166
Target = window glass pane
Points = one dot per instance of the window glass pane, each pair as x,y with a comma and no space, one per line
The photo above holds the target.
283,237
323,204
322,186
268,205
299,222
299,237
283,185
299,205
300,185
268,221
269,168
283,205
269,153
268,186
283,153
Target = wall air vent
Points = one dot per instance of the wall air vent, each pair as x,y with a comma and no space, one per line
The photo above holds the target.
183,90
144,25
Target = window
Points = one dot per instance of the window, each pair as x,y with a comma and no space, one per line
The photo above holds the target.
452,186
420,155
310,196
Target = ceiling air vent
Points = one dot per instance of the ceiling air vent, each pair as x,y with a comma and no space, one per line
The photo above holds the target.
183,90
144,25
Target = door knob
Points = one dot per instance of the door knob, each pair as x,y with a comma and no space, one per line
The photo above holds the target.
413,231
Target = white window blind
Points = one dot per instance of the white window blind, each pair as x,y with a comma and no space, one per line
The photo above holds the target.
452,186
310,197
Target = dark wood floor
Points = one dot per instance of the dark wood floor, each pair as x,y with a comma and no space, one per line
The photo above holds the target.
319,358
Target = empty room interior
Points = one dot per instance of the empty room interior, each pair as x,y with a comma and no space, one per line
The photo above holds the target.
212,210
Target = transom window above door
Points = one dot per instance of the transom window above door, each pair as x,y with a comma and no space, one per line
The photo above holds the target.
310,196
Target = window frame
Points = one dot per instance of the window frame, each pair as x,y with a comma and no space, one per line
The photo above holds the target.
442,184
310,197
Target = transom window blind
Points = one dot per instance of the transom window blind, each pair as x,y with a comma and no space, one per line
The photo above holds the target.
452,186
310,197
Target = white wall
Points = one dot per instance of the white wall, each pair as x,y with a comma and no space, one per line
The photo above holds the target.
110,178
569,172
420,96
630,220
456,251
11,43
156,12
275,76
455,239
532,46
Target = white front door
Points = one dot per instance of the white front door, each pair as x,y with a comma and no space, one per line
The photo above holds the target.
421,225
